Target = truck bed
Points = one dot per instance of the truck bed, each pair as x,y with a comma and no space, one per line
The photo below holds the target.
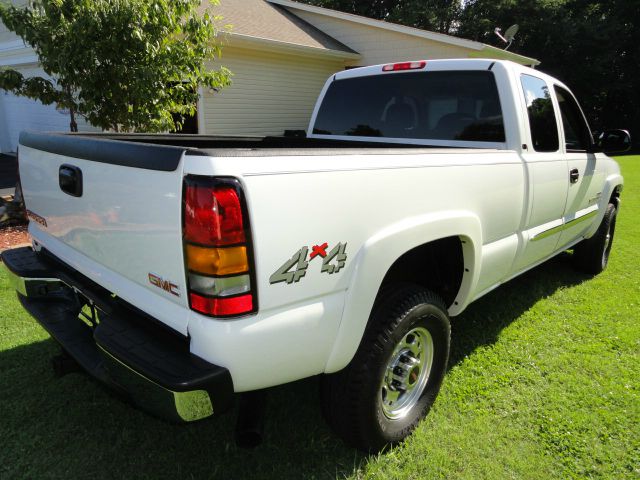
219,145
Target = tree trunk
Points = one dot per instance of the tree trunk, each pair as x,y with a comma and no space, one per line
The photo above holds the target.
73,125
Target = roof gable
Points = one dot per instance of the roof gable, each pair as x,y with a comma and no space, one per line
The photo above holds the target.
262,20
481,48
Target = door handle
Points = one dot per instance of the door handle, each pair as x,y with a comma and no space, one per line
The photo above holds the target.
574,175
70,180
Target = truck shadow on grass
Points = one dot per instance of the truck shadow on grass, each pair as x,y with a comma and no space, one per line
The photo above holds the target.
71,428
483,320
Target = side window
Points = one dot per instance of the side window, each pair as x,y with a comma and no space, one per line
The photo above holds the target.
542,120
577,135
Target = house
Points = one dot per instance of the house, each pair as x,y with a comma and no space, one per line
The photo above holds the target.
280,52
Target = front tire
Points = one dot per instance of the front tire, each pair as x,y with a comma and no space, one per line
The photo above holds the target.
592,255
395,375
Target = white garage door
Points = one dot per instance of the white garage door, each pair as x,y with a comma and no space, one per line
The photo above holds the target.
20,113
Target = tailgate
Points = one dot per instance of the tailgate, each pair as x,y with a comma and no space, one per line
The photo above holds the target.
111,210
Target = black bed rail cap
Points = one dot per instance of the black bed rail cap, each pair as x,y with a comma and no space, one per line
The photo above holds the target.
165,158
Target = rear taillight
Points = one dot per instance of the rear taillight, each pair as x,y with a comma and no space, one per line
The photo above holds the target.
396,67
217,248
213,216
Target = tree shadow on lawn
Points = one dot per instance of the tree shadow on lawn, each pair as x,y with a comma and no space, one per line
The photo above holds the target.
70,427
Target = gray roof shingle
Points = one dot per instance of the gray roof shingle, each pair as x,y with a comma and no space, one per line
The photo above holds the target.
260,19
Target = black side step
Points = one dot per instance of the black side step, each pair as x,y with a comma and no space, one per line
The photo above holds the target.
24,262
157,356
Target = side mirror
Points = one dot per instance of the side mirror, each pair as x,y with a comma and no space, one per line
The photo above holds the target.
614,141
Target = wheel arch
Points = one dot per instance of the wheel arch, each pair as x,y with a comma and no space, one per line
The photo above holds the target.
615,195
386,249
611,192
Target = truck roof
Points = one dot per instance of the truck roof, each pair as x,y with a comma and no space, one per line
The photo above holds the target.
431,65
442,65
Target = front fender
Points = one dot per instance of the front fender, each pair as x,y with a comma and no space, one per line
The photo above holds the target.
379,253
612,182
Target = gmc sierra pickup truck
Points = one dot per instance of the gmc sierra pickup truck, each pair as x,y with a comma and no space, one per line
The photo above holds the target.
183,270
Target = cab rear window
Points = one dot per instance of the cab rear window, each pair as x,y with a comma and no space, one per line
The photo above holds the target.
453,105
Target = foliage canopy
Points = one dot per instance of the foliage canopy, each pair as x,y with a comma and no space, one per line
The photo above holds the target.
591,45
122,64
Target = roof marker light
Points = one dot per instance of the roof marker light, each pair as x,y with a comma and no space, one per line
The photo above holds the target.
395,67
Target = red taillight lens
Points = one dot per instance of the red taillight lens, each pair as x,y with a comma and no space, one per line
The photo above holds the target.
217,247
220,307
395,67
213,216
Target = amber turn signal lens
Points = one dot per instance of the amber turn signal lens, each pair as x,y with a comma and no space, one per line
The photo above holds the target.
217,261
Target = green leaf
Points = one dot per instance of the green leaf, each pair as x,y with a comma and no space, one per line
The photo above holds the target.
126,65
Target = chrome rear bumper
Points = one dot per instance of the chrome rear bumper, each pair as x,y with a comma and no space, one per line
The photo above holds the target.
118,344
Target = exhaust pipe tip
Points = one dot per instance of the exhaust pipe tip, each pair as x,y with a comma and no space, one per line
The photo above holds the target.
64,364
250,423
249,438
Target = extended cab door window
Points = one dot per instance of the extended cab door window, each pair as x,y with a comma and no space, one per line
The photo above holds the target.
542,118
577,136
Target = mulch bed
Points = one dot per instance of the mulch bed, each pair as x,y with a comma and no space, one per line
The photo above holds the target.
13,236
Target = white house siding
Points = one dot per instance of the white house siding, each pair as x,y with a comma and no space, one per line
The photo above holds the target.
20,113
271,92
5,142
7,35
16,55
376,45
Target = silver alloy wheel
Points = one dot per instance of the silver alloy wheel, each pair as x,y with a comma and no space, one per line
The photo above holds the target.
407,373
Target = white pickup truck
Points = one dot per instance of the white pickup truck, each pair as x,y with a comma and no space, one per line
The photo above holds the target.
182,270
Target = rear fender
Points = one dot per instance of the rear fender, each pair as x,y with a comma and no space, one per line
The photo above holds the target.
380,252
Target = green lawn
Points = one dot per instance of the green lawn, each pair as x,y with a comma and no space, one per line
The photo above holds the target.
544,382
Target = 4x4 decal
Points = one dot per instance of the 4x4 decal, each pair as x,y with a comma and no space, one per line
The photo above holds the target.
295,268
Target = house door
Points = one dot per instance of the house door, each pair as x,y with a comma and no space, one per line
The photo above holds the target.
189,123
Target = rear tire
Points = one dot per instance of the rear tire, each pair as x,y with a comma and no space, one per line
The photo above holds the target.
592,255
396,373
